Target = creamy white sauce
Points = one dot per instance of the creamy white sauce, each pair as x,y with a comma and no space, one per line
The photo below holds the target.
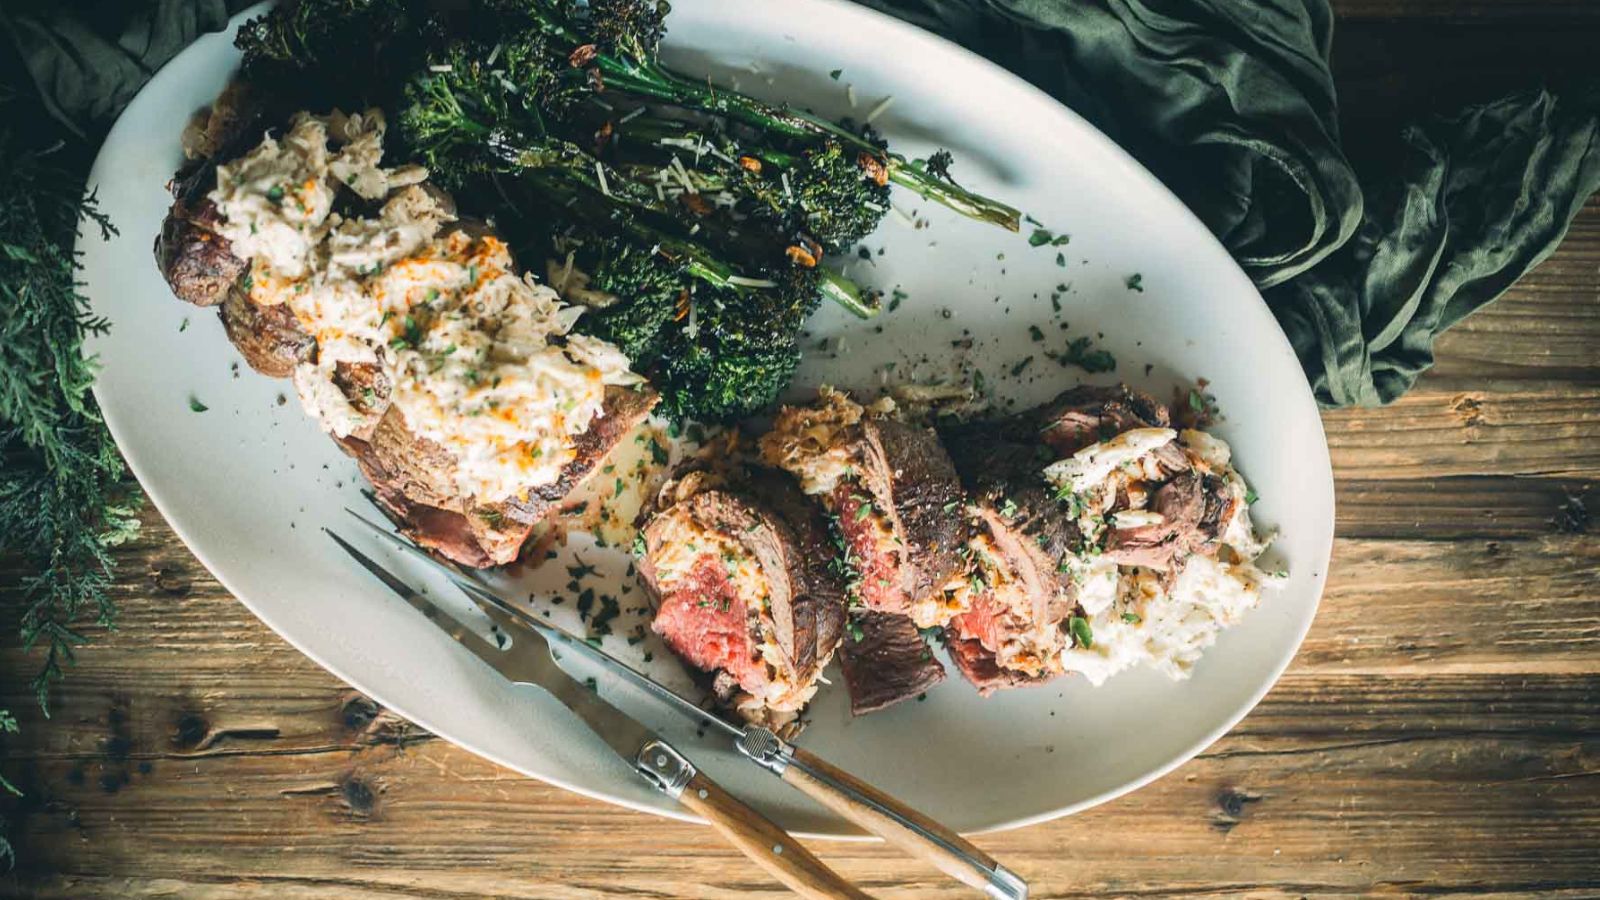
479,358
1167,629
1134,617
1092,465
1135,518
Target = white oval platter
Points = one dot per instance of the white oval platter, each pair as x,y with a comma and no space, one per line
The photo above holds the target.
248,483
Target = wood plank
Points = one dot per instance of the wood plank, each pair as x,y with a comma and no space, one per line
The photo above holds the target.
1440,430
1303,799
1512,606
1467,507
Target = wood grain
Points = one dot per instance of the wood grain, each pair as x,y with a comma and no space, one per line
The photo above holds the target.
1438,734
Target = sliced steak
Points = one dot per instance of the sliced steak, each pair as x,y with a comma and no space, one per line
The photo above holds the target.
977,664
896,502
1021,592
1194,509
1217,509
196,261
915,485
891,488
890,664
1088,413
268,337
414,479
1179,504
710,556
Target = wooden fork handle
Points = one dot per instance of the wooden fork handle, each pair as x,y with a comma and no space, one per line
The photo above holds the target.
767,845
900,825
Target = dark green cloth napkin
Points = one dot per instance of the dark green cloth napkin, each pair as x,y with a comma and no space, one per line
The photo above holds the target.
1230,102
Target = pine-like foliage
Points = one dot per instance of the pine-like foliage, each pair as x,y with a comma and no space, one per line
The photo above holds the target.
63,502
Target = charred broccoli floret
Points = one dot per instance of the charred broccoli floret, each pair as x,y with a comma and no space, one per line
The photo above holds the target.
645,293
324,53
725,363
735,351
838,196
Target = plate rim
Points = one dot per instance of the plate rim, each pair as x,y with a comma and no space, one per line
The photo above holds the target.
1069,121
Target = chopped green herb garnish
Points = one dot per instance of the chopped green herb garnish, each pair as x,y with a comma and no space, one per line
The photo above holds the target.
863,511
1080,354
1135,282
1132,618
1035,332
195,405
835,74
184,325
275,193
1079,626
1250,496
1061,260
1017,369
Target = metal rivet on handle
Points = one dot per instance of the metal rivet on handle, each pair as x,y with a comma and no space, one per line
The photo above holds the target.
704,793
661,761
777,849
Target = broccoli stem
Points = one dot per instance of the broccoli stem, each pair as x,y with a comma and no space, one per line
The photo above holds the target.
849,295
659,84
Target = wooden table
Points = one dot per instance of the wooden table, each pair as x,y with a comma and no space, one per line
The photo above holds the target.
1438,733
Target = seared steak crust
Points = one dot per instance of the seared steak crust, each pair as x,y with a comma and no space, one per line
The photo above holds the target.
911,476
1029,528
777,492
1088,413
1017,506
890,664
765,514
977,664
414,479
197,262
268,337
